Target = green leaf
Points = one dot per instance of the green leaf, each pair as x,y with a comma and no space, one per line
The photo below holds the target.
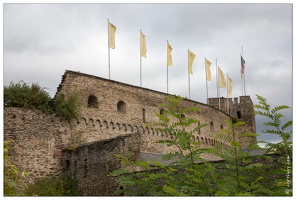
266,114
274,124
143,164
235,143
248,134
255,165
277,108
287,124
271,131
171,191
157,164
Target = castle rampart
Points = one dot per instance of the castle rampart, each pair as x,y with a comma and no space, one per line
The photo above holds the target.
109,109
107,101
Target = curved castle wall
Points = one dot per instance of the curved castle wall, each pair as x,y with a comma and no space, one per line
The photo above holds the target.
109,109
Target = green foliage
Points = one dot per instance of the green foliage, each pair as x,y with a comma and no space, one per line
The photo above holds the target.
172,123
182,131
282,173
239,174
67,108
53,186
33,96
27,96
13,177
285,146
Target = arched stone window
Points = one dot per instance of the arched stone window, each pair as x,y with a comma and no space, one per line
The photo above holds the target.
92,102
121,107
212,127
199,132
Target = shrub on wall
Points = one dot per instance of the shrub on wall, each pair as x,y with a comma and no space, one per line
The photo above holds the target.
34,96
27,96
67,108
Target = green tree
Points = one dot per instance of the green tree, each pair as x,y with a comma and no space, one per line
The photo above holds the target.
277,128
239,174
14,184
182,129
281,181
181,177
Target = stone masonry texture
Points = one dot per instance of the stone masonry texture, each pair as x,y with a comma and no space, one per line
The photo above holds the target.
110,110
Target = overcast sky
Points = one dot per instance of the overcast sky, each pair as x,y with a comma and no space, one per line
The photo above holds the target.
41,41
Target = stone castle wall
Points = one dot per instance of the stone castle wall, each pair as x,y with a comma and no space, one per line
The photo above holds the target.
109,109
91,163
35,141
102,98
242,108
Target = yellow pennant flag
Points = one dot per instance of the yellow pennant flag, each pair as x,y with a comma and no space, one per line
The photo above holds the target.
208,70
170,61
112,30
191,56
143,45
229,86
222,82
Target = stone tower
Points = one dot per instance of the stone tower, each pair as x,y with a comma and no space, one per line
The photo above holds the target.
242,108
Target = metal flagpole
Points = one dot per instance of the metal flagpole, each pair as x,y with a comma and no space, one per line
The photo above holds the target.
241,74
206,80
188,75
227,96
217,84
217,77
140,60
245,83
244,74
219,87
167,67
108,48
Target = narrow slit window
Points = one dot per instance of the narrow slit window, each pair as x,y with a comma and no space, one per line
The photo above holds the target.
144,117
239,115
